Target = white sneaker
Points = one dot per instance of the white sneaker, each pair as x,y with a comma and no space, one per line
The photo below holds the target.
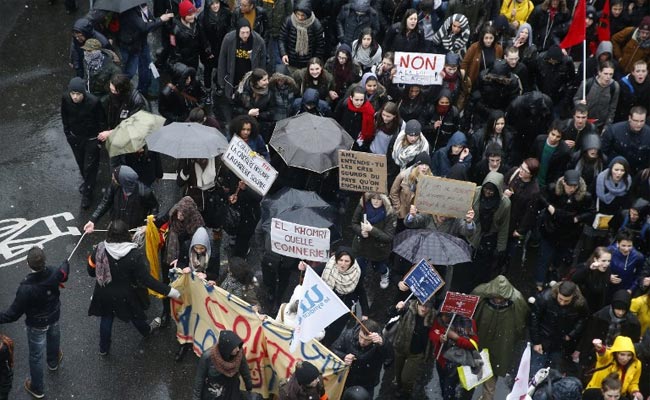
385,280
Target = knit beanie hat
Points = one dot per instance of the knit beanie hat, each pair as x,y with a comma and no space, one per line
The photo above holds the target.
306,373
186,8
621,300
77,85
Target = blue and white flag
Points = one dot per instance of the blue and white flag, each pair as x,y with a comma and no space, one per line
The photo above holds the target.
319,306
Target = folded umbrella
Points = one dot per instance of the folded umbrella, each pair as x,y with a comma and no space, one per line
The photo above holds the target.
129,136
310,142
188,140
117,6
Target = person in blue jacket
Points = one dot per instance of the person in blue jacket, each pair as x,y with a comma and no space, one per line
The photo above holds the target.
627,262
455,152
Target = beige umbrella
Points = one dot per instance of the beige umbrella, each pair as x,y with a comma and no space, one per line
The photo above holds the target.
129,136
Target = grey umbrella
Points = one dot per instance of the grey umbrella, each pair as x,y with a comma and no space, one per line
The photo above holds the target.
436,247
117,6
310,142
188,140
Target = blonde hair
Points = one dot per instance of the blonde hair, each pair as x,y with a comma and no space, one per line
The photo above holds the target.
415,173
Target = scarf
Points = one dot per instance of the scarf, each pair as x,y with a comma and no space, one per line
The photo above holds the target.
367,119
259,92
102,264
94,60
192,220
375,215
607,191
227,368
487,207
302,36
341,282
451,80
614,328
404,155
206,173
453,43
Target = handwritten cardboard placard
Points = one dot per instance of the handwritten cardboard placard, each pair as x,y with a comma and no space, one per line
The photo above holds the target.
445,197
300,241
362,172
419,68
460,303
423,280
249,166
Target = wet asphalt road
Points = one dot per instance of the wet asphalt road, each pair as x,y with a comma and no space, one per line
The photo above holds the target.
39,203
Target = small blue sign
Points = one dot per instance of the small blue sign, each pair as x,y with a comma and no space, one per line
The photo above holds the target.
423,280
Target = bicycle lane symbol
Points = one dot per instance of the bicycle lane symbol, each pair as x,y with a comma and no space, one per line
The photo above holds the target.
16,242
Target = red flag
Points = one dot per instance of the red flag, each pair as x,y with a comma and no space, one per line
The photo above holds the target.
578,29
603,24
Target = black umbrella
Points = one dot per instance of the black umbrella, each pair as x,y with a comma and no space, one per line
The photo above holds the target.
118,6
188,140
436,247
310,142
300,207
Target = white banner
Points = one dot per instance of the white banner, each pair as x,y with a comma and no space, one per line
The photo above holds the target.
520,388
249,166
319,306
300,241
419,68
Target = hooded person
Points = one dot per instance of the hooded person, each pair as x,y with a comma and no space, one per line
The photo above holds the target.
492,218
311,103
83,118
635,221
242,50
523,41
453,35
353,18
501,317
127,198
301,36
99,66
82,30
181,95
604,52
632,44
589,160
356,393
620,359
455,152
497,88
220,370
375,91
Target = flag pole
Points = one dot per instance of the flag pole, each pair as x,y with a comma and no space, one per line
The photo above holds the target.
584,70
453,316
363,327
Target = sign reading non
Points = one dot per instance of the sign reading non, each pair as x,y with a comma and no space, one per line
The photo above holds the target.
249,166
300,241
423,280
362,172
444,197
460,303
419,68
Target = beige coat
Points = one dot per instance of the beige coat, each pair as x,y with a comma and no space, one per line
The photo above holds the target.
401,196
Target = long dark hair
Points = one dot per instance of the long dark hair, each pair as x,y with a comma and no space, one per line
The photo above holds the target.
407,14
393,126
491,122
374,46
487,29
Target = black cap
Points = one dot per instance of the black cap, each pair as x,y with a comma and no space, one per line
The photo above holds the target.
572,177
306,373
422,158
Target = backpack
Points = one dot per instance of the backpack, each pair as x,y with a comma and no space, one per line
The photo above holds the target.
590,84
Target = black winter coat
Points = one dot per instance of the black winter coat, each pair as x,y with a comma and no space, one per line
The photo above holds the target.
396,40
550,322
38,297
349,24
134,30
559,160
189,44
287,43
261,24
85,119
618,140
119,111
119,297
560,227
365,370
547,32
214,28
132,209
177,99
553,80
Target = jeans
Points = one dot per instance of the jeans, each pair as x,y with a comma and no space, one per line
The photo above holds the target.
106,327
138,62
381,266
551,253
40,340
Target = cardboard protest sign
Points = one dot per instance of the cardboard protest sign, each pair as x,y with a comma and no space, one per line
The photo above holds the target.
419,68
423,280
249,166
445,197
362,172
205,310
300,241
460,303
